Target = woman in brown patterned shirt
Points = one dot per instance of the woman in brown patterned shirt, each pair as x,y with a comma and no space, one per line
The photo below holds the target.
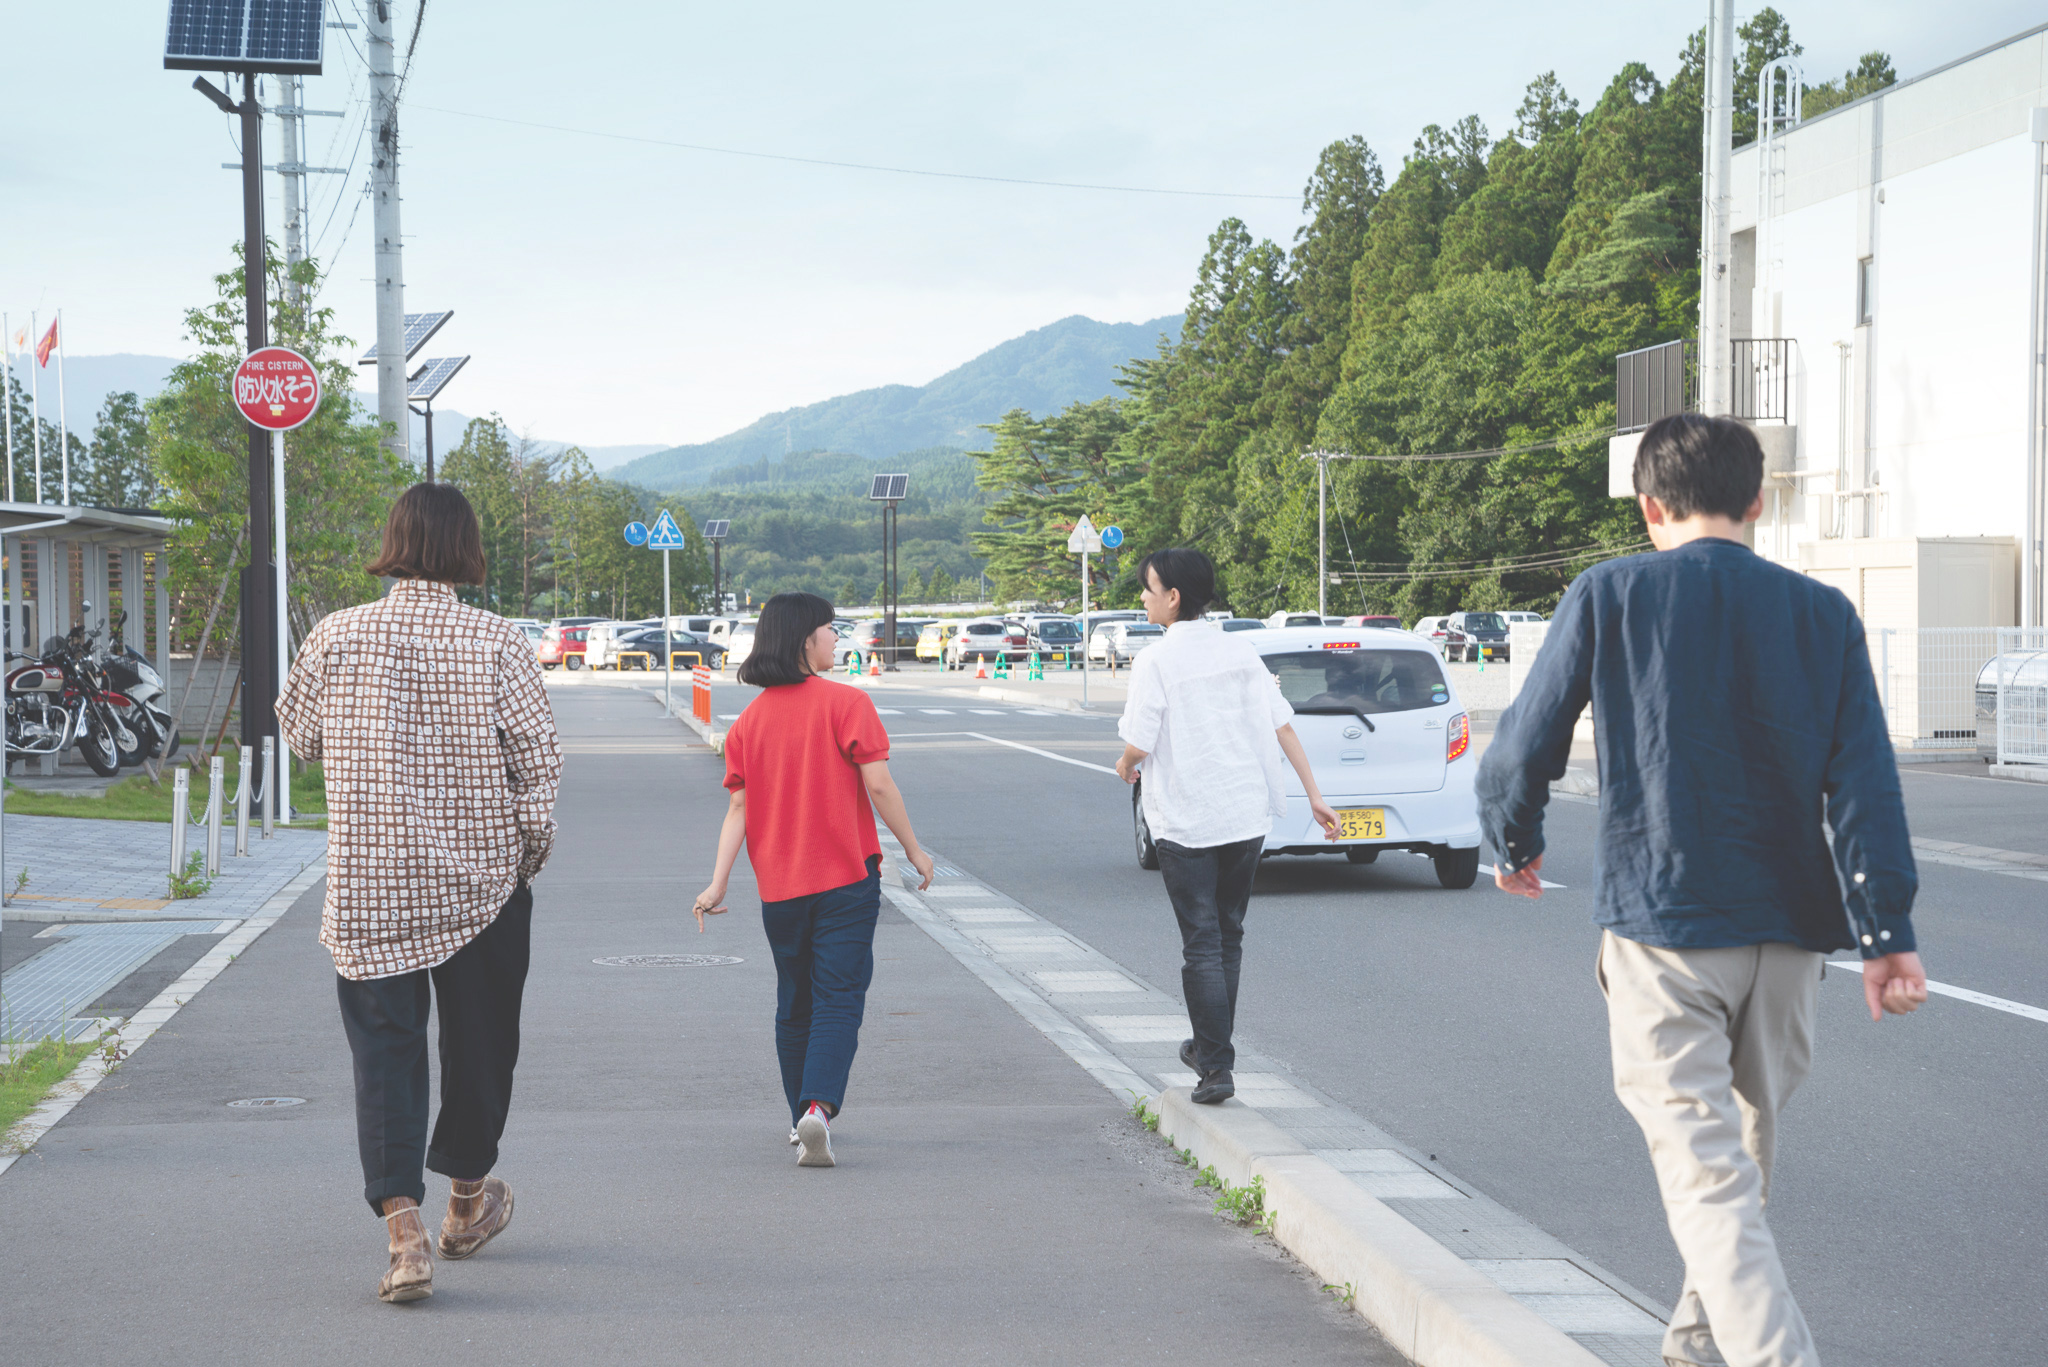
441,762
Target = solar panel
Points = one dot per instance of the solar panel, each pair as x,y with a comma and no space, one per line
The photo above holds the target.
433,377
418,328
889,487
717,531
245,35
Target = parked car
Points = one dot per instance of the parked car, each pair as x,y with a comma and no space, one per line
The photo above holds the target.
1486,634
1437,631
932,639
1242,624
2026,687
1294,619
1054,638
986,638
1373,620
1514,617
734,636
600,642
1388,741
576,621
1117,643
563,646
641,649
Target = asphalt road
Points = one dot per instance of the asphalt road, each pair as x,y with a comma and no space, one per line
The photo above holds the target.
1912,1187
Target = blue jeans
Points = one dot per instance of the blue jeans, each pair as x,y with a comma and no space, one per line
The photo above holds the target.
824,947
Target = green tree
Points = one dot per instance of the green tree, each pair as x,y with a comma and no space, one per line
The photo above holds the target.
1872,73
117,471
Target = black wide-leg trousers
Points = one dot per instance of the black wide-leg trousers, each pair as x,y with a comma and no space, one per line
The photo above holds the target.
478,990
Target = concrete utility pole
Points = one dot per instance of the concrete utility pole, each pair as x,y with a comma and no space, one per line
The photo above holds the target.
391,405
291,158
1717,387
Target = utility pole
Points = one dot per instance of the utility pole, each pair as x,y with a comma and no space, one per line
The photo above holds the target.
392,408
1716,359
259,577
291,171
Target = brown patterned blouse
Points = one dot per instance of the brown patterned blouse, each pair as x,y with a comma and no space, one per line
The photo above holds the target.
441,761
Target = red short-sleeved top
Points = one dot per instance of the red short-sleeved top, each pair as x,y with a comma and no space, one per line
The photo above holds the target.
795,750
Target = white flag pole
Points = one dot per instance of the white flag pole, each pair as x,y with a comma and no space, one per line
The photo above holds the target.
7,397
35,395
284,634
63,431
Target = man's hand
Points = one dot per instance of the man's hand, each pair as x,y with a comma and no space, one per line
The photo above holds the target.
1326,817
1895,983
710,902
1523,882
922,862
1127,763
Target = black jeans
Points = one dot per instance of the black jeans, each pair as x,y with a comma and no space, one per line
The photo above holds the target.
478,989
1210,889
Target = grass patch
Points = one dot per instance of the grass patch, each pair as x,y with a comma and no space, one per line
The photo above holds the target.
28,1076
137,799
193,882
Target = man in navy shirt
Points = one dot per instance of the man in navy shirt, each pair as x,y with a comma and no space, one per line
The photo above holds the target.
1734,709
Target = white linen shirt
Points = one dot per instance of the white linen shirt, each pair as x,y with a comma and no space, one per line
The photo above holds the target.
1204,708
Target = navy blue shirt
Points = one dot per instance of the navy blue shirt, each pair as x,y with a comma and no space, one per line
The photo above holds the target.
1734,709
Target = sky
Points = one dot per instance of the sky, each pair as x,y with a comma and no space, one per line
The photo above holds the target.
613,291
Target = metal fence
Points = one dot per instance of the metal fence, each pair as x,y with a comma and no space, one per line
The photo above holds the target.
1653,383
1927,677
2018,691
1764,367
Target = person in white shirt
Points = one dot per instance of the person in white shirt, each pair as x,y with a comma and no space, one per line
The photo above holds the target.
1207,722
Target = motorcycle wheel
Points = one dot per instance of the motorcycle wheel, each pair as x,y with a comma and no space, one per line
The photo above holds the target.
172,737
142,736
96,744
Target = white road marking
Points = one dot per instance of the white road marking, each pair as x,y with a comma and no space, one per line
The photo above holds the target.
1142,1029
890,711
1034,712
1487,869
988,712
1047,754
936,711
2032,1013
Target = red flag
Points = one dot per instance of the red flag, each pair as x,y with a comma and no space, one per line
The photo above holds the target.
48,344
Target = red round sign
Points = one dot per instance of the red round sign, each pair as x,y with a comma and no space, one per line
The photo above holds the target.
276,388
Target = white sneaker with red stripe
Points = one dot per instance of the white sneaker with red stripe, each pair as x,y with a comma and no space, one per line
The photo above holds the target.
814,1139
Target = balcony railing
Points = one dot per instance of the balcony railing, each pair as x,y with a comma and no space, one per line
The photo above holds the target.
1658,381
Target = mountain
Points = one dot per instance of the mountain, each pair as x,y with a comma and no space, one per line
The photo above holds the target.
1043,371
88,380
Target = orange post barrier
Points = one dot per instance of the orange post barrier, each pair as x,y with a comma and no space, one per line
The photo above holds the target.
700,693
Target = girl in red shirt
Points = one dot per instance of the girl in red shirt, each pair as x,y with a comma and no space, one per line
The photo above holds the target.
808,767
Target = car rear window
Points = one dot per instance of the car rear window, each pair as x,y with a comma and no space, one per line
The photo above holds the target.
1058,631
984,629
1368,680
1485,621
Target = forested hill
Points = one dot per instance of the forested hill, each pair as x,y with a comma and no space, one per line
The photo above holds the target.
1043,371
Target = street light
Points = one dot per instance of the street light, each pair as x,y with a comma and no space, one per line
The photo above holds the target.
715,532
889,490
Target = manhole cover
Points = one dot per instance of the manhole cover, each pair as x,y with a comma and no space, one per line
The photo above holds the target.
665,960
253,1102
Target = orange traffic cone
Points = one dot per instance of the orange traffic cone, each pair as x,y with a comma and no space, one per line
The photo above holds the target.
875,667
981,666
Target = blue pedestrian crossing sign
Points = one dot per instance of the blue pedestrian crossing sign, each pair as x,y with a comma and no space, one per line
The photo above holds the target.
636,533
666,535
1112,537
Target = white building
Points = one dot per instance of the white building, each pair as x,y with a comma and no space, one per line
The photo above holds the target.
1888,282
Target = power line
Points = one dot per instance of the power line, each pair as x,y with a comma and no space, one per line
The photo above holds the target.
1460,564
1545,445
851,165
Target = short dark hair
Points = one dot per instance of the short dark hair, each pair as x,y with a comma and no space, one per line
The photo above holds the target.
432,534
1186,569
1695,464
777,655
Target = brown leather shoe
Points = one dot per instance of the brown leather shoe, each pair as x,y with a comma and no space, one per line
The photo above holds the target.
478,1212
411,1277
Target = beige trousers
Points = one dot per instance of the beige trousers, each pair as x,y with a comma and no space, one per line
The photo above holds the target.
1708,1046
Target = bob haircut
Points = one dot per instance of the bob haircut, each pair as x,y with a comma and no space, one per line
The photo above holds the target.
777,657
1693,464
1186,569
432,534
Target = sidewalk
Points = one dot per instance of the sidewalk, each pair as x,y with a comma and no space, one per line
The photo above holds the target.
993,1202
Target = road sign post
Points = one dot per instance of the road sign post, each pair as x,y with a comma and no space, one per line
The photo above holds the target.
1085,541
666,536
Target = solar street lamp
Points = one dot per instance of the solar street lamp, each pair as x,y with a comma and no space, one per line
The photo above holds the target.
715,531
426,382
282,37
888,490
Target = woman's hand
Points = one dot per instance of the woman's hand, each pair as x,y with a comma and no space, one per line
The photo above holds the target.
922,862
710,902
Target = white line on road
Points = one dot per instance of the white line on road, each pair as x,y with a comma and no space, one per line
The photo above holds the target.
2032,1013
1034,750
936,711
1487,869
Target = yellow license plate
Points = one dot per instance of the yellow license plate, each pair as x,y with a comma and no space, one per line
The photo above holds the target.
1362,823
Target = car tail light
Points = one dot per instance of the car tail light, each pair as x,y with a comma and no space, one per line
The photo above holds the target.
1459,734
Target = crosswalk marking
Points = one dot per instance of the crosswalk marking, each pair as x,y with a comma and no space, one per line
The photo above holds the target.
889,711
936,711
988,712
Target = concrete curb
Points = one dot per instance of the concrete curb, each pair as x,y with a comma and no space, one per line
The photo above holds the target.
709,734
1416,1292
1023,698
139,1027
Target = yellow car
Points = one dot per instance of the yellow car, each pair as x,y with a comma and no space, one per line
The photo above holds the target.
931,642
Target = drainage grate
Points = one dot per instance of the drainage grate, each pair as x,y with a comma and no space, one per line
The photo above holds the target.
257,1102
665,960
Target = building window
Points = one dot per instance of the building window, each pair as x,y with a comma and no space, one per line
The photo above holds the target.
1866,289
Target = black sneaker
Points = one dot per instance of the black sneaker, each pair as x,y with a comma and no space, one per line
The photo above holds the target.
1214,1088
1187,1057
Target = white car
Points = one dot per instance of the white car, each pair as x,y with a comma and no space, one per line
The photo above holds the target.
1294,619
735,635
1118,643
1388,740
